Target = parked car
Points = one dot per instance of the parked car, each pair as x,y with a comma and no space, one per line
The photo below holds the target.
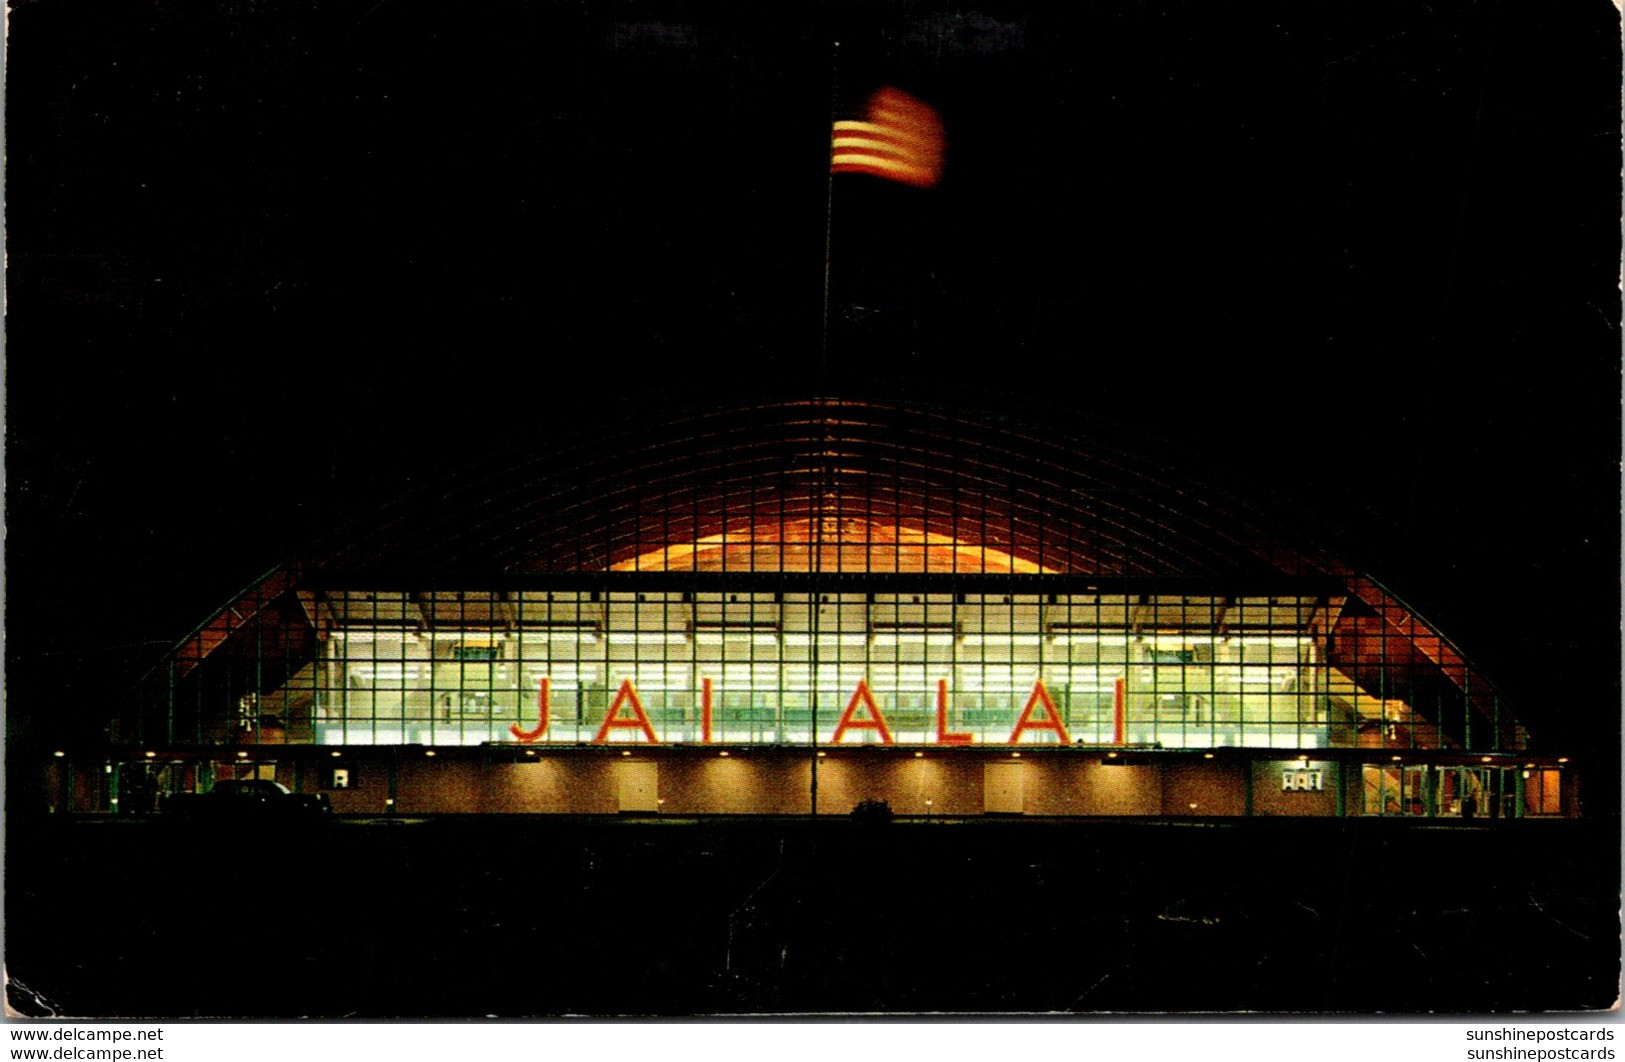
247,798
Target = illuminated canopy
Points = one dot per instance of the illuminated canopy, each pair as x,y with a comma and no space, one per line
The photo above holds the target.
877,506
835,544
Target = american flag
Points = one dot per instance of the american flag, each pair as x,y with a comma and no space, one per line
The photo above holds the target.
899,138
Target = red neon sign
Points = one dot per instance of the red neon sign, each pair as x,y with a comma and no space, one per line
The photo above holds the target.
943,736
1051,721
527,736
849,720
640,721
627,712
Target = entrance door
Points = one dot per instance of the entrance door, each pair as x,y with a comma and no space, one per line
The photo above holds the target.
638,785
1465,792
1001,789
1420,796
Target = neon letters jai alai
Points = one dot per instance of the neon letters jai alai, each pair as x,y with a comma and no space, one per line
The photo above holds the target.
1039,715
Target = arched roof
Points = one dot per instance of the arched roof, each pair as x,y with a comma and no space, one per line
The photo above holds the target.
827,473
839,486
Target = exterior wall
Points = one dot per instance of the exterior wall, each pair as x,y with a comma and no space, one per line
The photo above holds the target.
734,785
1353,781
369,789
698,781
1204,789
778,784
1056,787
551,784
1270,799
952,784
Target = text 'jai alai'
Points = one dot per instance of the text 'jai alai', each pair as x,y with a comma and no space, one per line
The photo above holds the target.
862,713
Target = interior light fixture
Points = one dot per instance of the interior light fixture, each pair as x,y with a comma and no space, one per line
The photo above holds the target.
647,638
626,752
335,754
59,753
1207,755
1015,755
152,755
920,638
917,755
242,755
724,752
428,752
1562,759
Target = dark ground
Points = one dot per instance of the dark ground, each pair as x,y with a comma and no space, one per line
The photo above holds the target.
540,917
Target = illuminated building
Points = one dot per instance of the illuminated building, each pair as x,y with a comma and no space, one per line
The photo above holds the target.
799,607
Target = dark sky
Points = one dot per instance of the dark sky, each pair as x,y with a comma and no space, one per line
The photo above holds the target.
272,263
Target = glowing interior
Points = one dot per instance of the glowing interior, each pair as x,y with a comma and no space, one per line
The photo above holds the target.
829,544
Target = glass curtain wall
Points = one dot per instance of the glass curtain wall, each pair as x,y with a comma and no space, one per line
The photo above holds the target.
472,668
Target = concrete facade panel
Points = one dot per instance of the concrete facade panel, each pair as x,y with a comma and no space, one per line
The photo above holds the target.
1270,799
1203,789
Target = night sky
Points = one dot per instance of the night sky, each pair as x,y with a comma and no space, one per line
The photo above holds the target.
274,263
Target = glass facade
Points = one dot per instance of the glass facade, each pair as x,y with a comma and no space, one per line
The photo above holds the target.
1107,670
640,661
1426,791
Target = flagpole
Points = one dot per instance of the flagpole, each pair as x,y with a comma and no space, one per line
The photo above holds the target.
823,372
829,215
